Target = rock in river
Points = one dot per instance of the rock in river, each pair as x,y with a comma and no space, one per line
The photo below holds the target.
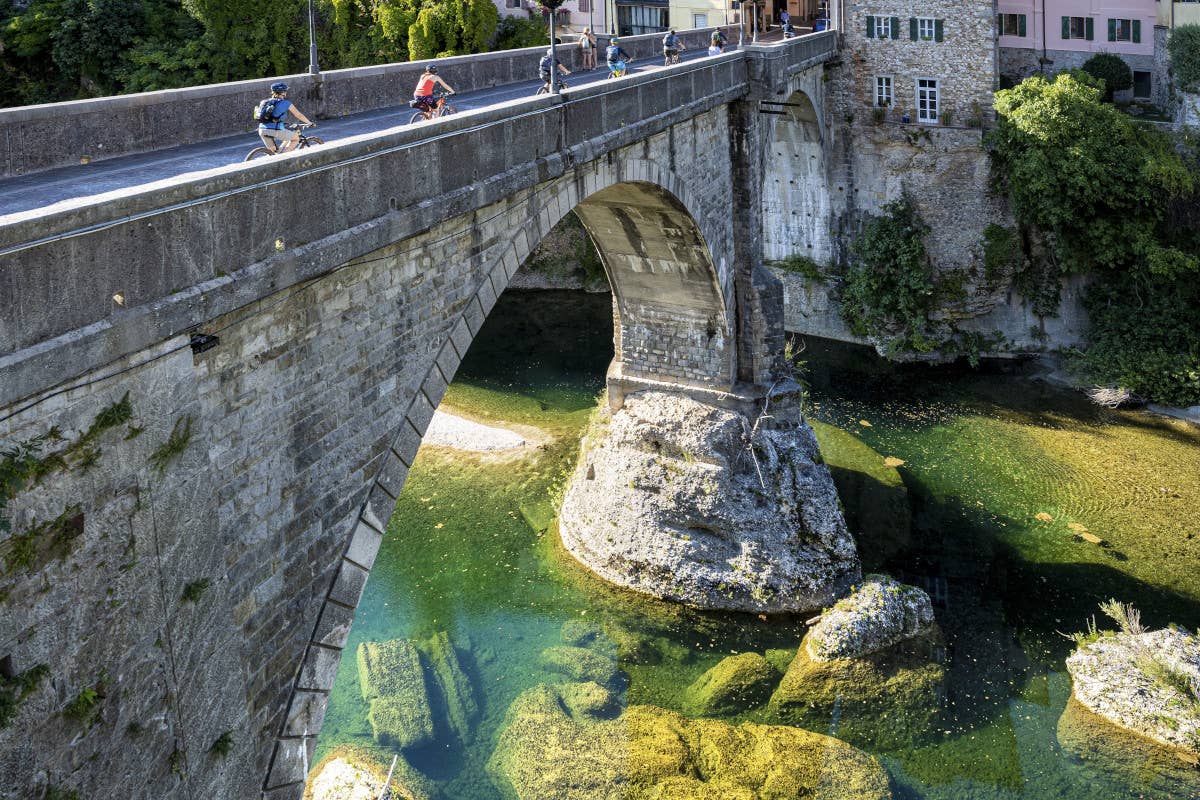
735,684
672,498
561,742
393,682
1146,682
878,614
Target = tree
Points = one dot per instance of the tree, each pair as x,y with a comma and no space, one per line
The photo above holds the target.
1184,49
514,33
1111,71
1090,178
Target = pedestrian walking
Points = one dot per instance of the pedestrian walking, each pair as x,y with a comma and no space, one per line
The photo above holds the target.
587,43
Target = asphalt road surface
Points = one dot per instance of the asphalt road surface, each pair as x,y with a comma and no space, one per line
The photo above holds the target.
72,185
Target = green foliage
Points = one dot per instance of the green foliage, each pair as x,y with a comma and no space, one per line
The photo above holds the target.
55,793
1091,178
173,447
1128,618
1001,252
195,590
59,533
1184,48
1111,71
223,745
19,464
85,708
889,288
802,265
514,33
1145,334
14,690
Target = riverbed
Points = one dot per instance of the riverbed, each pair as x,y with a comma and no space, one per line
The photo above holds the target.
1017,505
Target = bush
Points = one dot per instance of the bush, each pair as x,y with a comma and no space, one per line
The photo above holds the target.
889,289
1184,48
1115,73
515,33
1146,337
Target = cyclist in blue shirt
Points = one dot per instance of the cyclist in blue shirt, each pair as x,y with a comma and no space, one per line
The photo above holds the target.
546,65
671,47
275,137
617,58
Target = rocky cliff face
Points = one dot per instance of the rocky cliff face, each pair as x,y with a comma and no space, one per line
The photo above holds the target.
678,499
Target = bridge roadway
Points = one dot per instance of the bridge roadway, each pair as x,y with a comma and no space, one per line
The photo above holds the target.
43,190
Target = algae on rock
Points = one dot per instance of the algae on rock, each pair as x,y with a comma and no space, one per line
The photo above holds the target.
736,683
561,742
582,664
393,682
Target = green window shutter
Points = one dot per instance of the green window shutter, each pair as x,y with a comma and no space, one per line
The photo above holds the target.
1137,31
912,29
870,27
1089,27
938,30
895,27
1112,30
1021,25
1066,27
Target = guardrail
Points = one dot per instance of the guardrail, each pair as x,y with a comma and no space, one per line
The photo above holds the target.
80,131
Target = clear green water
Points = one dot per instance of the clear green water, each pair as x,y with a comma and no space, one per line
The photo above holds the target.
471,550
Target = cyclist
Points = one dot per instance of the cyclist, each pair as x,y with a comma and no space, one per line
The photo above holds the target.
716,42
671,47
546,67
423,93
275,137
617,58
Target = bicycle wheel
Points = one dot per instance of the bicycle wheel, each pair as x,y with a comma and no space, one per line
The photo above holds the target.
543,89
313,140
447,111
257,152
417,117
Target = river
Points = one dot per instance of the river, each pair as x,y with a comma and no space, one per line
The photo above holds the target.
1019,506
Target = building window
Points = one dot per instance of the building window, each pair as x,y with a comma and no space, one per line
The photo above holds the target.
1011,25
1125,30
927,100
881,28
699,20
636,20
585,6
883,91
1141,85
1078,28
925,28
512,3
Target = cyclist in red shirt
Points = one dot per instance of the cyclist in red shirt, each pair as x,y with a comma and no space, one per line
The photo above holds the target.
423,94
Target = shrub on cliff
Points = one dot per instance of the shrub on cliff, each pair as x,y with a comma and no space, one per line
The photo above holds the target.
1184,48
888,292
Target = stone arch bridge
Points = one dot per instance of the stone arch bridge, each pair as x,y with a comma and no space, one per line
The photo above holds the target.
234,370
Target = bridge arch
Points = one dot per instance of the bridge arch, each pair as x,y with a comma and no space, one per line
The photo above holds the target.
667,252
796,195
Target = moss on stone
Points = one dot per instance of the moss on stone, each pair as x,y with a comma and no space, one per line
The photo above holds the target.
551,747
393,682
735,684
582,664
581,632
457,690
883,700
633,647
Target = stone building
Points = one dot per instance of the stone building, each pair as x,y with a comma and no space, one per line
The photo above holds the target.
932,61
1053,35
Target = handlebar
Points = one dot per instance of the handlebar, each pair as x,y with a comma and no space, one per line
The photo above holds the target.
299,126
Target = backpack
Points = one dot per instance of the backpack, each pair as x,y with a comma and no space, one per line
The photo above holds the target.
545,65
670,40
718,37
265,111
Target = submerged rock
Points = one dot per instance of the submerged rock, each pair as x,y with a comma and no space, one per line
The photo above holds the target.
554,745
736,683
886,699
878,614
668,499
393,683
582,664
457,691
1148,683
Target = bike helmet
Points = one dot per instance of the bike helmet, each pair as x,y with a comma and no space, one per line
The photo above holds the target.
612,40
432,68
279,88
549,51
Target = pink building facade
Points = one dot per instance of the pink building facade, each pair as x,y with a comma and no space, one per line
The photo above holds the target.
1053,35
573,15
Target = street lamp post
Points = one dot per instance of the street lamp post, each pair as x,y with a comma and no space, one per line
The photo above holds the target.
553,6
313,69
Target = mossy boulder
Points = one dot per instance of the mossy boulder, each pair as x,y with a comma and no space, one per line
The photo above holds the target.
581,633
393,683
879,613
457,693
553,746
633,647
735,684
885,700
582,664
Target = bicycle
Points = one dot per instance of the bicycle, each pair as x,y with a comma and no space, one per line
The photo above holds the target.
438,109
545,87
672,58
304,141
617,69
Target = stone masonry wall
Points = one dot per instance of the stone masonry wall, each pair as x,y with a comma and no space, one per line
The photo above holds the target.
209,587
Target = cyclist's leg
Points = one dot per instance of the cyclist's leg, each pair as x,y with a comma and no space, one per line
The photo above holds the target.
267,140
